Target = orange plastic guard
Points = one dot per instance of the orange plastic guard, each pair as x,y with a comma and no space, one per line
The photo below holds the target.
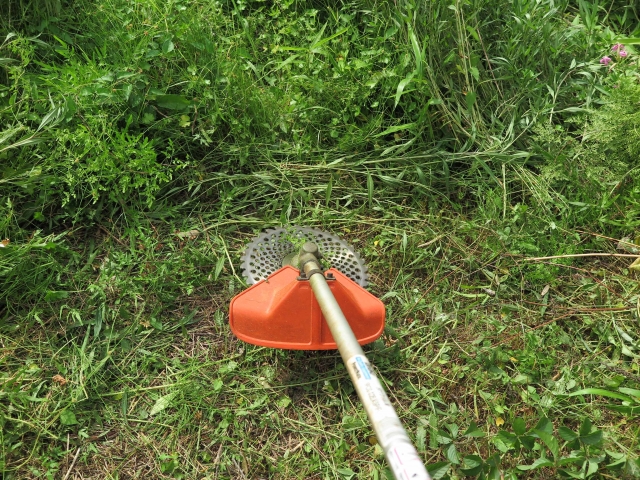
282,312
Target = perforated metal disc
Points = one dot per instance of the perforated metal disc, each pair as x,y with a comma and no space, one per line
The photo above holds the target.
266,253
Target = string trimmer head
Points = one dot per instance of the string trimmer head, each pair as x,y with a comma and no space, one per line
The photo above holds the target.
276,247
279,310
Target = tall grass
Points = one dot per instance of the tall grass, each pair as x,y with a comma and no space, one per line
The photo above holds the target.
465,80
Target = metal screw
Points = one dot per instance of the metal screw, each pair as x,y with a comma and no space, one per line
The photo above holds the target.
310,247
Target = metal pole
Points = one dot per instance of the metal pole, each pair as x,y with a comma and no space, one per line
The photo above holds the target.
403,459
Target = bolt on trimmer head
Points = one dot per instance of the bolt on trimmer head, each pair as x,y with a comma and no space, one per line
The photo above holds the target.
294,303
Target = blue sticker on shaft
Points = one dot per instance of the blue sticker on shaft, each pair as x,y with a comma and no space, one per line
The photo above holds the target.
363,367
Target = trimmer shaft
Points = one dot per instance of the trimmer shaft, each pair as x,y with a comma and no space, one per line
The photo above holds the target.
274,248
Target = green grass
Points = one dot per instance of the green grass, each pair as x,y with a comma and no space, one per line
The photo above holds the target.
144,143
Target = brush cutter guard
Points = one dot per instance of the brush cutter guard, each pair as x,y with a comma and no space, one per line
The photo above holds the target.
282,312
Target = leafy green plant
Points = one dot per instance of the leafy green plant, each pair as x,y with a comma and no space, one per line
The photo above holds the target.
584,454
94,164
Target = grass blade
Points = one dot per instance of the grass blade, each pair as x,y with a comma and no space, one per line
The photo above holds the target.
602,393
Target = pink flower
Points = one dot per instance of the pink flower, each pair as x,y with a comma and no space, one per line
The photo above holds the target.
605,60
623,53
616,47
